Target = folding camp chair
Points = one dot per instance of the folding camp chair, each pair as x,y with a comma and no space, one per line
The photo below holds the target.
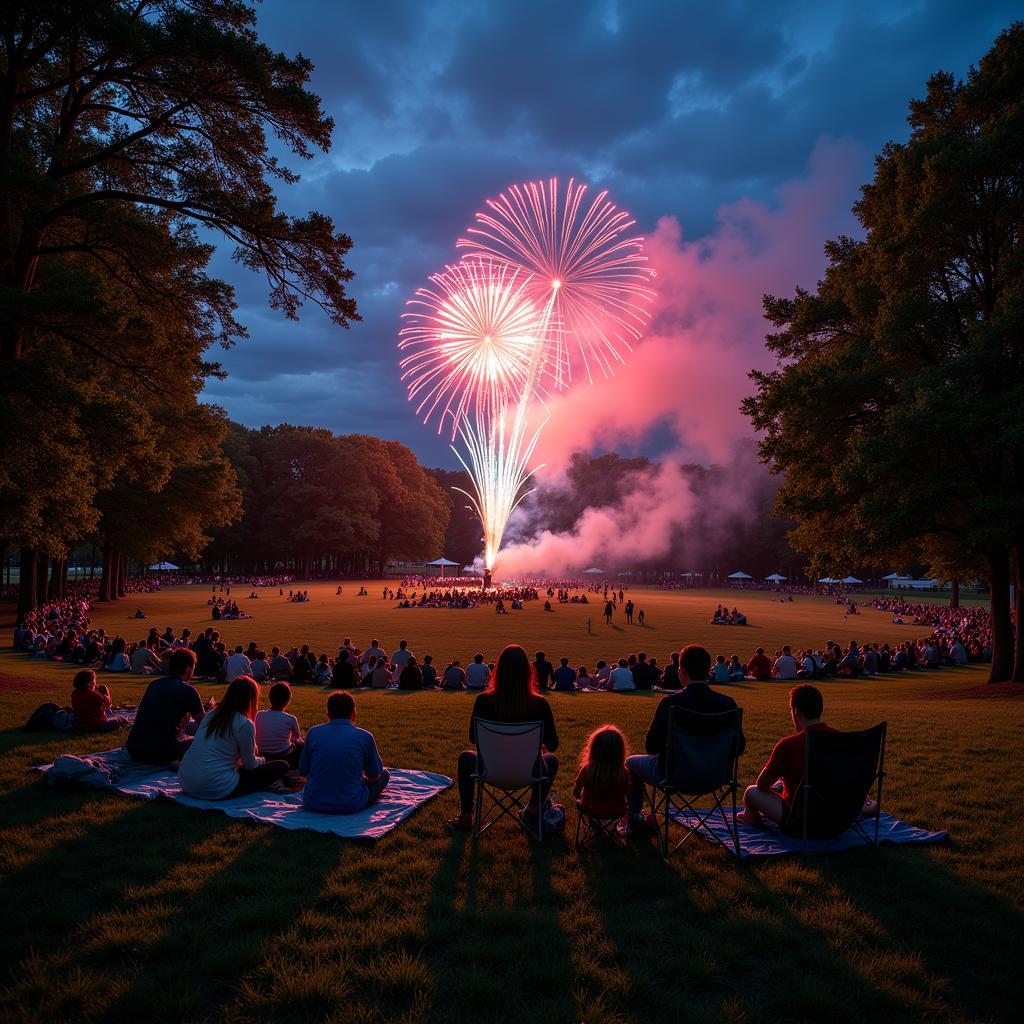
701,760
508,772
840,771
594,828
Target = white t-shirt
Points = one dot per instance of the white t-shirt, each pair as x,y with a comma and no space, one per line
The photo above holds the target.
399,660
622,679
237,665
372,652
785,667
477,675
209,769
276,731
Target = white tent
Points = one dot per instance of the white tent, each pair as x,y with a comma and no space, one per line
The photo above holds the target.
896,576
852,579
594,571
739,576
443,562
827,579
164,567
776,577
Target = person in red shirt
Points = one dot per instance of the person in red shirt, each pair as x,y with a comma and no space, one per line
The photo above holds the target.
603,779
759,666
786,764
90,704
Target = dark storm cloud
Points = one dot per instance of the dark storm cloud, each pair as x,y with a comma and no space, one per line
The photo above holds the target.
677,108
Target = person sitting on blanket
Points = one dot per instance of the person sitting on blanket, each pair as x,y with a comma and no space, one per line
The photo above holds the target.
278,736
91,703
156,735
222,761
344,772
696,695
511,696
786,765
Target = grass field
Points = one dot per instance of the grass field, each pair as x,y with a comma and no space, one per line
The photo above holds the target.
119,910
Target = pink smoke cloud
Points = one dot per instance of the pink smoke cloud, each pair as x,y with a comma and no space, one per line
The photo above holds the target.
707,331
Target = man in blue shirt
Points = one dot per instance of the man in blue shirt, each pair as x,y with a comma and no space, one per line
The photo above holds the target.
565,677
343,770
156,736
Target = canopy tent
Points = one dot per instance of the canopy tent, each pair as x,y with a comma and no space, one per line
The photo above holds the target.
852,579
776,577
897,576
594,571
164,566
827,579
739,576
443,563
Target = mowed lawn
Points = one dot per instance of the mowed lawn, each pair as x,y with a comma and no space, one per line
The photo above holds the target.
117,909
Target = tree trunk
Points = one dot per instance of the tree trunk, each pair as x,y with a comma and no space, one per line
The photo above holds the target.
954,592
1018,609
107,590
999,605
42,576
28,597
119,575
58,572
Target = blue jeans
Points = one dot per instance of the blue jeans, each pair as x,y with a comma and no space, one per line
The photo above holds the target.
643,768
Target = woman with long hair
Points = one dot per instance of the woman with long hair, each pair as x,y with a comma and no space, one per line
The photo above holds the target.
511,697
221,761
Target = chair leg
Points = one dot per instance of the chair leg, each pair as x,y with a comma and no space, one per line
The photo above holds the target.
479,809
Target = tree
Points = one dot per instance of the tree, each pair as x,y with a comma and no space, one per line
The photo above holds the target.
897,411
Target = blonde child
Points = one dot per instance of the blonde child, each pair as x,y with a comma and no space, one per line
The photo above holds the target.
603,779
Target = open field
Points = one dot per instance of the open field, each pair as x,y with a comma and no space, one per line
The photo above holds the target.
118,910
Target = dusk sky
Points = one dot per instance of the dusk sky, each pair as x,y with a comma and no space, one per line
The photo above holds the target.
741,121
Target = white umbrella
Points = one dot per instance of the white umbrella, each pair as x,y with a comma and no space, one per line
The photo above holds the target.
165,566
852,579
594,571
442,562
776,577
739,576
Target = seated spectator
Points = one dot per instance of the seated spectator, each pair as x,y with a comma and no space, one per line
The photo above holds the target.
304,667
621,679
603,781
583,680
222,761
400,659
278,736
454,678
379,677
280,666
343,675
90,703
478,674
670,678
602,675
411,677
156,734
511,697
759,667
260,667
118,660
237,664
736,672
429,672
785,665
720,670
565,677
322,674
544,672
143,660
344,772
696,695
766,799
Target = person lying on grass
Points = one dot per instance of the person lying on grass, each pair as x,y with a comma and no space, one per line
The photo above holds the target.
222,761
156,735
344,772
91,703
786,766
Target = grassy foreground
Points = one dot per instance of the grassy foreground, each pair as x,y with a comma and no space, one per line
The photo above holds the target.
121,910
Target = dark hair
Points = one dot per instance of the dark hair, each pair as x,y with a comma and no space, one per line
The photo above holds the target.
807,700
180,661
280,694
83,679
242,697
341,705
696,662
512,683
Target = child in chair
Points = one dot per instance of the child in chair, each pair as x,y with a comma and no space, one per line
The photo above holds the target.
603,779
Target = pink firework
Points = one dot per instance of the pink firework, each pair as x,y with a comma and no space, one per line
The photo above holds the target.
584,263
472,338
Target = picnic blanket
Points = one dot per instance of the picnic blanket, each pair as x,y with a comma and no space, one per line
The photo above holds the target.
114,769
770,842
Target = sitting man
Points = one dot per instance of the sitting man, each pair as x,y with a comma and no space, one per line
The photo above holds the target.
344,772
156,735
696,695
785,765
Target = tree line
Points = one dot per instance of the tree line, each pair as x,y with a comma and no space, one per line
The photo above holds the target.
896,413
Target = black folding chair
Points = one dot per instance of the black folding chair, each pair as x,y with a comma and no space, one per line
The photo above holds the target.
701,760
508,772
592,829
841,770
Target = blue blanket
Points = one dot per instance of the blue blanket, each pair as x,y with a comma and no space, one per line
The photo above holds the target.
114,769
770,842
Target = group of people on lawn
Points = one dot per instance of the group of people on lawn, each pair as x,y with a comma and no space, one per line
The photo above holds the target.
238,749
